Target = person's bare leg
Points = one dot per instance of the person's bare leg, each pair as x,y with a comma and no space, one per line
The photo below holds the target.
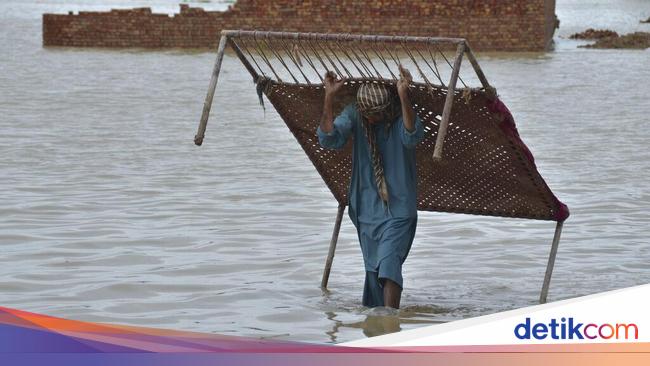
392,294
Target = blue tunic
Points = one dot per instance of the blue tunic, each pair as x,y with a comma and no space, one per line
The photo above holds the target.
385,232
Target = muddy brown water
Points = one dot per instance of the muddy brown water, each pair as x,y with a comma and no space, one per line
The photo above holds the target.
109,213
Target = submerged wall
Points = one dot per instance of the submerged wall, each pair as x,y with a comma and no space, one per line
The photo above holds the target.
498,25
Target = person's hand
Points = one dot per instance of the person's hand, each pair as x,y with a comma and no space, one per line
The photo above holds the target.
332,83
405,79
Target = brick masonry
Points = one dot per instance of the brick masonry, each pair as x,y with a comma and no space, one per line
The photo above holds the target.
489,25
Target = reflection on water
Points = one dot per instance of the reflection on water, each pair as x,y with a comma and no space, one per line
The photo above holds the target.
372,325
110,213
381,320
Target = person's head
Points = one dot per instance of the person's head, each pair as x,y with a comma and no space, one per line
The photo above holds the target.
374,101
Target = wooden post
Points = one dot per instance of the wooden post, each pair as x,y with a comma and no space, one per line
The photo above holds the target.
340,37
330,254
198,139
551,263
477,68
446,112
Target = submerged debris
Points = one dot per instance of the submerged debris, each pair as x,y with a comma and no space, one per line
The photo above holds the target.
636,40
594,34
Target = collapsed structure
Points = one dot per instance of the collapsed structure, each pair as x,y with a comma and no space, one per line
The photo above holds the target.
504,25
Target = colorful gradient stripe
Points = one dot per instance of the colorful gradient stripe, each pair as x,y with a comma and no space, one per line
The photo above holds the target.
33,339
22,331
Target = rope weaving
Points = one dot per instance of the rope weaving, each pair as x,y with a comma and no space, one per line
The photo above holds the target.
486,169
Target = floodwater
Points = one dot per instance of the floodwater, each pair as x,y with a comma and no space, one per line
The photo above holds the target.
109,213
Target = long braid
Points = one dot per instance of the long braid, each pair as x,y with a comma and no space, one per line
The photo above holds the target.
377,163
376,98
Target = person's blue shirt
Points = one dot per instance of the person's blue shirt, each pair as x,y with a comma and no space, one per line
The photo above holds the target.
397,147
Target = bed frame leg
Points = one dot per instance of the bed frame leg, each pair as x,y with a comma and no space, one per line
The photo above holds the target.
551,263
330,254
200,134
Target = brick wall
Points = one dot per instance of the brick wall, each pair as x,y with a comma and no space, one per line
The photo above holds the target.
502,25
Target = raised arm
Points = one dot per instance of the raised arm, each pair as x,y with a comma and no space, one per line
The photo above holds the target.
333,133
413,130
332,87
408,114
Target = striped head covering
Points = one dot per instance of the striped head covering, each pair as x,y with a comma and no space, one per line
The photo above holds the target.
373,98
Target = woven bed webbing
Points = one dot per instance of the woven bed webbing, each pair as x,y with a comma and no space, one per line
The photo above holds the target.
486,169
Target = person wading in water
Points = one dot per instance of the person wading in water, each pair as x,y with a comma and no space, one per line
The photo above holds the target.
382,193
